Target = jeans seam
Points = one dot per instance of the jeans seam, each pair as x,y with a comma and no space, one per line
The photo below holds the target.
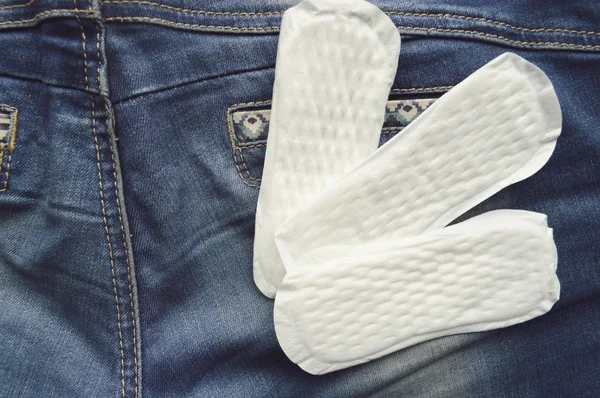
471,33
246,168
9,147
493,22
192,11
421,89
118,203
235,161
241,161
6,172
404,13
192,25
235,148
30,2
63,12
102,202
555,44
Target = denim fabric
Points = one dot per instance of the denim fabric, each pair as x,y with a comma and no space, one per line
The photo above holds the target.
126,226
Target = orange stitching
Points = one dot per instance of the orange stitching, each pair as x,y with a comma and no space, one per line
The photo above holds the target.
103,206
190,11
30,2
189,25
276,28
246,167
37,16
408,14
235,161
250,146
235,147
406,90
500,23
5,185
127,259
6,173
477,33
10,146
230,127
13,130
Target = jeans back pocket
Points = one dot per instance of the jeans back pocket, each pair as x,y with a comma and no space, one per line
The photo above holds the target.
248,127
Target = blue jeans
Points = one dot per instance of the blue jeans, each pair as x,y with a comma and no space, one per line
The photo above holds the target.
127,201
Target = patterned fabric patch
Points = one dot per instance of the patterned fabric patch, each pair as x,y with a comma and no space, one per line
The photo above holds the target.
399,113
8,125
251,126
8,128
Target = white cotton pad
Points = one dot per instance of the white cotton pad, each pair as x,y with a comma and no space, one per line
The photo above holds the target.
336,62
342,306
497,127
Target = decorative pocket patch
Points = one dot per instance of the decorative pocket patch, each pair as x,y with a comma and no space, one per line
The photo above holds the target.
248,126
8,132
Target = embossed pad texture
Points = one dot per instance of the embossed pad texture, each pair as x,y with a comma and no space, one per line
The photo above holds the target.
497,127
345,305
336,62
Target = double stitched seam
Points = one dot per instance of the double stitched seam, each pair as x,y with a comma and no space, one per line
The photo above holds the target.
237,166
191,25
230,127
103,205
228,28
502,38
494,22
239,149
417,89
36,17
190,11
10,147
408,14
391,132
7,171
118,202
251,146
246,168
30,2
4,185
403,13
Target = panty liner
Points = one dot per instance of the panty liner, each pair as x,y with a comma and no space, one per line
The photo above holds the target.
336,62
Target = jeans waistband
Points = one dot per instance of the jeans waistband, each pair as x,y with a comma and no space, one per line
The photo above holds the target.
535,24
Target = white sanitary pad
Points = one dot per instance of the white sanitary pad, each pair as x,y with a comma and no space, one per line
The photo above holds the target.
371,267
336,62
345,305
497,127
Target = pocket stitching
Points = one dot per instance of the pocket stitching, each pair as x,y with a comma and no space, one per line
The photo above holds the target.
9,146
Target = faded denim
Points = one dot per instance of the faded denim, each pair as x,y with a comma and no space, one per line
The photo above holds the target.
126,225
